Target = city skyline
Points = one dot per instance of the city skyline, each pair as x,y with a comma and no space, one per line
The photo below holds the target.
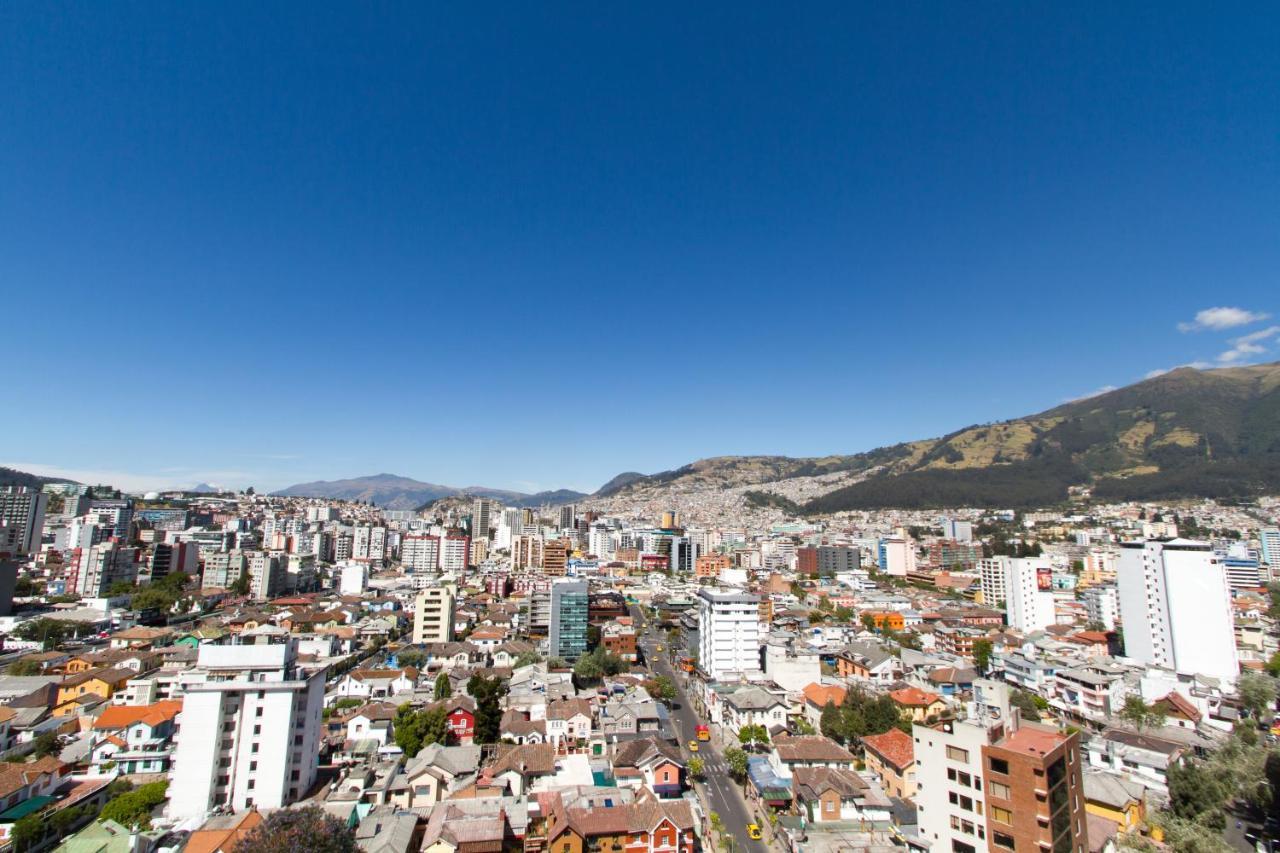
417,242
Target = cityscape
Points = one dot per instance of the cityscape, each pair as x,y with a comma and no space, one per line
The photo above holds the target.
639,428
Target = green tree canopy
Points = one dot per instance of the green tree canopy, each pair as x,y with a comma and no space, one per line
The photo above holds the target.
135,807
307,828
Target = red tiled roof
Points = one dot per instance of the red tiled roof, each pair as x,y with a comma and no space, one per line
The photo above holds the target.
894,746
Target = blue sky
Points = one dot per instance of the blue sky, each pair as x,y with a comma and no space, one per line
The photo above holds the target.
534,245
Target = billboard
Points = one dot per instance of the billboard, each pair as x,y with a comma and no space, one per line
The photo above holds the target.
1044,578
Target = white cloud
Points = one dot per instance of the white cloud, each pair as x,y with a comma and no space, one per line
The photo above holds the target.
1248,345
1218,319
1198,365
1103,390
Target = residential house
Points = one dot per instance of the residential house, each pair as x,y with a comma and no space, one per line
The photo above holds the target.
135,738
376,683
651,762
826,795
918,705
891,758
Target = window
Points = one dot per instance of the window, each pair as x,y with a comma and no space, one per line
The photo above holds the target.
1001,815
955,753
253,765
1002,840
257,730
999,765
999,789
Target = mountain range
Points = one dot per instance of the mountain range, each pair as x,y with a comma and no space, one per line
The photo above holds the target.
1185,433
392,491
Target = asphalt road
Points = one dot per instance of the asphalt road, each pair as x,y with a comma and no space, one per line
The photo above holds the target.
722,791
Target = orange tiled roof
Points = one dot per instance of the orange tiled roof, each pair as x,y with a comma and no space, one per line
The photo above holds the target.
123,716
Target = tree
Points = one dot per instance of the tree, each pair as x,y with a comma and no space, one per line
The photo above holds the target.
1139,714
598,663
135,807
1196,794
752,735
48,632
308,828
661,688
736,760
802,726
831,721
47,744
488,693
1026,703
982,655
868,621
696,768
1273,665
1257,693
527,658
26,832
24,667
416,729
242,585
444,689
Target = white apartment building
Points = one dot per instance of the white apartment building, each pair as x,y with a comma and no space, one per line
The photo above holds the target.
433,614
728,632
420,553
266,574
370,543
93,571
455,553
354,578
992,573
950,801
897,556
1269,538
249,735
1102,603
1176,607
1028,594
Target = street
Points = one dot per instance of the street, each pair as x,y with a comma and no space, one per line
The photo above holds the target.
722,790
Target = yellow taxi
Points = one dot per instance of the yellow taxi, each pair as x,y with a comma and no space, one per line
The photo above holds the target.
754,831
693,746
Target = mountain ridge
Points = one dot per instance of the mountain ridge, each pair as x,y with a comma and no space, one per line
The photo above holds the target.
393,491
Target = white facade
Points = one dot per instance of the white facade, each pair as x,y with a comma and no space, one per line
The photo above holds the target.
420,553
22,511
992,571
355,577
1102,603
728,632
249,735
455,553
1029,594
897,557
1176,607
792,668
370,543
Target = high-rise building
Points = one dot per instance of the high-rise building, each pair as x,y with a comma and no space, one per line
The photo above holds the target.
167,558
1176,607
353,577
223,568
993,571
481,518
959,531
115,513
22,516
897,556
1102,603
455,553
567,631
728,632
526,552
370,543
1028,594
420,553
555,558
250,729
600,540
95,570
827,560
990,782
1270,538
1242,565
568,514
433,614
266,574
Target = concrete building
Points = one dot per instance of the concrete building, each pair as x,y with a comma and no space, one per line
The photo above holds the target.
250,731
22,517
266,574
825,561
992,573
1176,607
433,614
1028,594
370,543
567,631
481,519
353,577
455,553
92,572
728,632
897,556
223,568
1102,603
1270,539
420,553
990,782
